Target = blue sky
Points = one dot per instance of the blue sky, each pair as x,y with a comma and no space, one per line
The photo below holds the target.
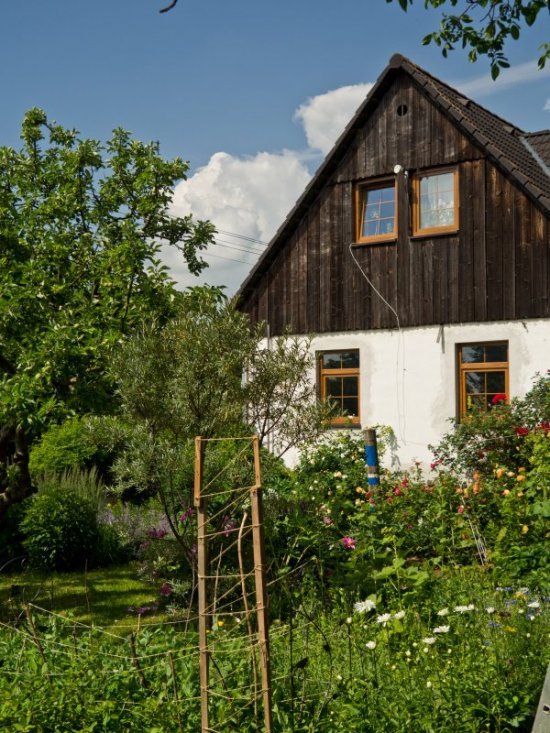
219,83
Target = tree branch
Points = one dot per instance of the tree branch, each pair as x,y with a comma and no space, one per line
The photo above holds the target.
169,7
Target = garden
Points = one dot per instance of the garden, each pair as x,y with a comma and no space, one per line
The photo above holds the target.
420,604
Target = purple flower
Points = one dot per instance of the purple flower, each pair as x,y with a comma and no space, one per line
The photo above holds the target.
165,590
157,534
187,514
349,543
228,525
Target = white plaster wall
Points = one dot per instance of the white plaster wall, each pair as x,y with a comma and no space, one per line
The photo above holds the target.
408,378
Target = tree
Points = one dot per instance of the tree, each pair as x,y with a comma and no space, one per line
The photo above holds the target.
186,379
81,226
485,35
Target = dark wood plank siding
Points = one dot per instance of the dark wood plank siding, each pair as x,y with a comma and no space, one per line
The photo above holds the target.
497,267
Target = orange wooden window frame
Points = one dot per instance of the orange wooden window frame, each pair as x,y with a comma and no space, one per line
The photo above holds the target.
483,366
341,372
417,230
359,206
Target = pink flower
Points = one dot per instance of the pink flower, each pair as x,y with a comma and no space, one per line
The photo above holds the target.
460,509
165,590
398,491
327,520
349,543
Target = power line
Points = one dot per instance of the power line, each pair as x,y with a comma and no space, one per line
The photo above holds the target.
242,236
224,243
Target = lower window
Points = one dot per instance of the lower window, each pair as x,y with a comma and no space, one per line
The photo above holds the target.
483,375
339,383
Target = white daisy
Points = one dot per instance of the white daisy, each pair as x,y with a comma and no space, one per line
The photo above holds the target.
363,606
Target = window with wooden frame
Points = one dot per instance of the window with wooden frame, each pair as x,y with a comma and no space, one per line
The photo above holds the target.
435,202
483,375
375,212
339,383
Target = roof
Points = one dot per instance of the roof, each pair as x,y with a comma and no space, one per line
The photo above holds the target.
523,157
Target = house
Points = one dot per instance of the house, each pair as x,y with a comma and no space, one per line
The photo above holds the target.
419,258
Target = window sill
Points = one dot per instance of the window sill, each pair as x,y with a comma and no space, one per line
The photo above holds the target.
434,234
375,242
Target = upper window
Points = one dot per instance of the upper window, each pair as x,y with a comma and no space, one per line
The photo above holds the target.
339,383
375,213
483,375
435,203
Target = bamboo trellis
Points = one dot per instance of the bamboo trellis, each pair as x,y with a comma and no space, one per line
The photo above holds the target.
237,598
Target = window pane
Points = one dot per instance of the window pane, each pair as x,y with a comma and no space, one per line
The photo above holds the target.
350,406
350,359
472,354
371,228
333,386
332,361
496,352
476,402
475,382
378,212
374,196
436,204
349,386
496,383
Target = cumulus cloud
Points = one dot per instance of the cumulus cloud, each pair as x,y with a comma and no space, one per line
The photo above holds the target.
251,196
325,116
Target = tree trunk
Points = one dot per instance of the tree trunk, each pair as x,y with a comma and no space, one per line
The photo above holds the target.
18,482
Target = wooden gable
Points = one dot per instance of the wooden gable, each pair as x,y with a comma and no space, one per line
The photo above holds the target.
495,267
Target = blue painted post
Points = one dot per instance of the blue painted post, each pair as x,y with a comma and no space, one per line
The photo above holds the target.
371,456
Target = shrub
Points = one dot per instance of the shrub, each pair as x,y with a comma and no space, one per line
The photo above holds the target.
69,446
60,527
484,441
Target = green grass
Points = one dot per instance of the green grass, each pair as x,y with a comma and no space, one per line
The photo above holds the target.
101,597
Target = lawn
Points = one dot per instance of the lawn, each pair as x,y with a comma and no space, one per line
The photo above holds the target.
102,597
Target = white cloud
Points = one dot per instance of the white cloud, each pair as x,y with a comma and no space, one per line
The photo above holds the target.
251,196
245,196
325,116
546,107
484,86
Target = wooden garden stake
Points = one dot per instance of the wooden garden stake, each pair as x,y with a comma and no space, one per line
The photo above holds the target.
371,456
202,563
261,594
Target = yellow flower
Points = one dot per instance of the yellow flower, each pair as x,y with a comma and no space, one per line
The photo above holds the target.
524,529
520,477
510,629
499,473
220,622
521,470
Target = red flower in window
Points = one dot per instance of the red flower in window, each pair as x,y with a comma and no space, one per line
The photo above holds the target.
499,399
